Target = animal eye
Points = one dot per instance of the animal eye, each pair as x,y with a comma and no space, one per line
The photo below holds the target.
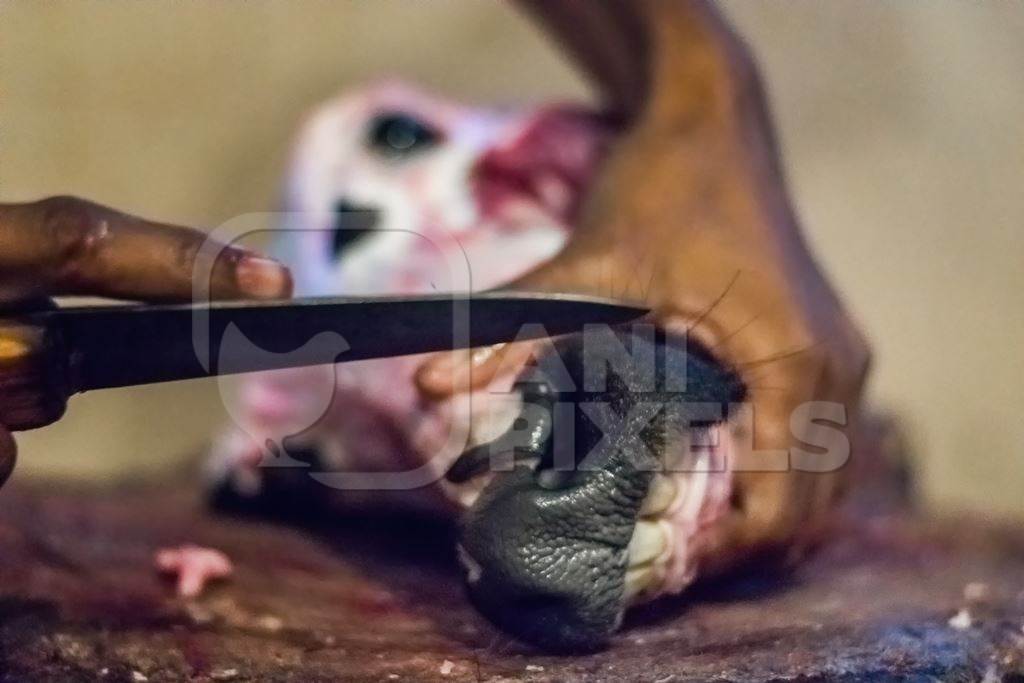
397,135
351,224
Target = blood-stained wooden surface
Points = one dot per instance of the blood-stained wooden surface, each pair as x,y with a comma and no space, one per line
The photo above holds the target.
379,599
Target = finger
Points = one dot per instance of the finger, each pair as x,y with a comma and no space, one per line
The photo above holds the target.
605,39
455,372
446,374
64,245
8,454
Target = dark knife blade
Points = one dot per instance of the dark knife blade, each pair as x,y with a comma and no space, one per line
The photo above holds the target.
117,346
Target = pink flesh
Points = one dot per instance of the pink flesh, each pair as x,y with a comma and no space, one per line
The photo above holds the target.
193,567
500,196
691,516
517,181
549,162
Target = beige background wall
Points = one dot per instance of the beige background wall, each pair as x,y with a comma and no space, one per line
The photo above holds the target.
901,125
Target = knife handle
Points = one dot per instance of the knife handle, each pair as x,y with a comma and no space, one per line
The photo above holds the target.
33,377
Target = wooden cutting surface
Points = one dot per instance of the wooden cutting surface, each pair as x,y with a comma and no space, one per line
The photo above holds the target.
379,599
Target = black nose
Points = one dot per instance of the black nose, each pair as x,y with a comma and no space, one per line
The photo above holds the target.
548,566
352,222
546,550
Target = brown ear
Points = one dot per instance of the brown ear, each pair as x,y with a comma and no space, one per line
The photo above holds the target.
605,40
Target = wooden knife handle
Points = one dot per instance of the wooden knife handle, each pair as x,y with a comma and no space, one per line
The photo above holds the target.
33,382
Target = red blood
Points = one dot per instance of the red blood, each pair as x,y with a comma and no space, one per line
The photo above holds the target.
564,144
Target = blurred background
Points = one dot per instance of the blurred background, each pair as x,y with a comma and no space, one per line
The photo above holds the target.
901,129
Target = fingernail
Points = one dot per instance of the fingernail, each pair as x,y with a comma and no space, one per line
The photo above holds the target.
263,278
444,374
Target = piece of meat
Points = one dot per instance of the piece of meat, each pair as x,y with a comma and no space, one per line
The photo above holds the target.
456,198
192,567
396,191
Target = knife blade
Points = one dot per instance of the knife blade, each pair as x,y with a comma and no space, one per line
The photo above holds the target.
118,346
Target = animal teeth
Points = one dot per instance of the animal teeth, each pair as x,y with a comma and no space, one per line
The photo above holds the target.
648,542
660,496
498,414
638,581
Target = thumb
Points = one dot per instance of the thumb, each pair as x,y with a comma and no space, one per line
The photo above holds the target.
449,373
8,454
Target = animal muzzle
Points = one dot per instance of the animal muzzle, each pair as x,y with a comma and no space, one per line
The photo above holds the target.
548,563
554,548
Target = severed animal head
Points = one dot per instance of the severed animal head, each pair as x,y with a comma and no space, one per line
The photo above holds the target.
584,480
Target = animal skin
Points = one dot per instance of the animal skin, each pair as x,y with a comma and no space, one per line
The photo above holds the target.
396,191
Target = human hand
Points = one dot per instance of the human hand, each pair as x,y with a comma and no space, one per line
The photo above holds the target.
68,246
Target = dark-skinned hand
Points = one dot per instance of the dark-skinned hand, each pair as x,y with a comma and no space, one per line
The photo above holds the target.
68,246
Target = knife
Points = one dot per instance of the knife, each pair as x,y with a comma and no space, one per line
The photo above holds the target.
76,349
